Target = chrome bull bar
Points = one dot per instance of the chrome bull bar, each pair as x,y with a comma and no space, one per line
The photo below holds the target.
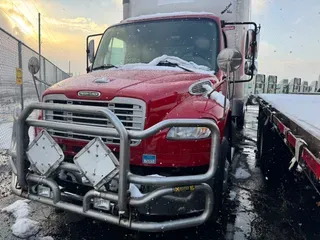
166,185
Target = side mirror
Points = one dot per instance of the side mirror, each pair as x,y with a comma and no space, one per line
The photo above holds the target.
90,51
33,65
89,68
229,60
252,43
250,68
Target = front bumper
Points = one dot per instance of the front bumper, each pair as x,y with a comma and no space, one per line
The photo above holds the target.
179,192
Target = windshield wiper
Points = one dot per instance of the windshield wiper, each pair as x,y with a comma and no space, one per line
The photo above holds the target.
105,66
170,64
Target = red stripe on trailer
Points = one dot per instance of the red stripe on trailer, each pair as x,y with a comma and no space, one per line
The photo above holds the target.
281,126
291,139
311,161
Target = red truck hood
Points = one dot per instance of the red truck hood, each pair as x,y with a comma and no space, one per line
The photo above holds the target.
147,85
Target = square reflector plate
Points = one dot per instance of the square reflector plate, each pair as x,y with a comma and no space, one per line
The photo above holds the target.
97,162
44,154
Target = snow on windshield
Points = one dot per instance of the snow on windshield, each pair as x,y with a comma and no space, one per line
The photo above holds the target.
153,65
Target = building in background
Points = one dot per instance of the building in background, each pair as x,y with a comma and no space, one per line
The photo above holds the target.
314,86
304,87
259,84
284,86
271,84
295,85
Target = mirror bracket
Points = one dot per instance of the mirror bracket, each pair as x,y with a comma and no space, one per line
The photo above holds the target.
88,50
254,44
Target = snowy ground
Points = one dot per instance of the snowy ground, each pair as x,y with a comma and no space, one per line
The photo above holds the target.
256,208
6,122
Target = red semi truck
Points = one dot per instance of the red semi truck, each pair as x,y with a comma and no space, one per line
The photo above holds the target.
148,130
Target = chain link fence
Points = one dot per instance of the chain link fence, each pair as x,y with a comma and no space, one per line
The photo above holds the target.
15,54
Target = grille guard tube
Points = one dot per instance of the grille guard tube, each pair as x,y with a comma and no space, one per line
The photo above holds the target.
124,141
134,225
151,181
125,177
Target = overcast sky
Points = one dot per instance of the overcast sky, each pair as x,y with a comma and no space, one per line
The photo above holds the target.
289,44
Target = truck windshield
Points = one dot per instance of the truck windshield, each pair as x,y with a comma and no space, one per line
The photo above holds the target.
195,40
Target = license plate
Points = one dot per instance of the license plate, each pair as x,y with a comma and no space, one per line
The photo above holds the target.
149,159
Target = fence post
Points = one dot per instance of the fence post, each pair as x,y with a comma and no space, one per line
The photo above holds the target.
20,66
56,74
44,74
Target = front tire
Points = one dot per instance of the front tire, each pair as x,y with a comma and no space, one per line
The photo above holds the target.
240,121
219,185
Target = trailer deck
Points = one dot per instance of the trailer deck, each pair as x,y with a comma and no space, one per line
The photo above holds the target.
295,117
303,110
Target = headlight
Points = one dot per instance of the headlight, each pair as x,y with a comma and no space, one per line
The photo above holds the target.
188,133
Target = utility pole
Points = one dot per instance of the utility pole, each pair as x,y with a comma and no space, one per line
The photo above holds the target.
39,40
69,68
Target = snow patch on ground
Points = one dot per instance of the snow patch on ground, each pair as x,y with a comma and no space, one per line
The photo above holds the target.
19,209
45,238
23,226
241,173
7,123
232,195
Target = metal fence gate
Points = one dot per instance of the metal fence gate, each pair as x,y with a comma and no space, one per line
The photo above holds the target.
15,54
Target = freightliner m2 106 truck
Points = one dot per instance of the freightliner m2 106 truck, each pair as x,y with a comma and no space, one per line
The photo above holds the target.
148,130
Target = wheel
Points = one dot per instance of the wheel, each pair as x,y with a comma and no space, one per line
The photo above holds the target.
254,101
220,182
240,121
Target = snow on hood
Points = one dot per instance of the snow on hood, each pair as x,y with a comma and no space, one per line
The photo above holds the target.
153,65
217,96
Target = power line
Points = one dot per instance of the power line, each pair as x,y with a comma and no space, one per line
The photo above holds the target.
22,13
31,23
37,20
47,24
44,20
16,22
35,5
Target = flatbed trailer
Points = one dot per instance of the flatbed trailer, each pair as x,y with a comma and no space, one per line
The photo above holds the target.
290,121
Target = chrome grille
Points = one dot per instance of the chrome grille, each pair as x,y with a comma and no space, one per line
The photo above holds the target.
131,112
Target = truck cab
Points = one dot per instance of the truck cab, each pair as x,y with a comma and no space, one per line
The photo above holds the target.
164,104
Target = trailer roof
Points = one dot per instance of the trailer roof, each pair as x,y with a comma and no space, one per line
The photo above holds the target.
303,110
